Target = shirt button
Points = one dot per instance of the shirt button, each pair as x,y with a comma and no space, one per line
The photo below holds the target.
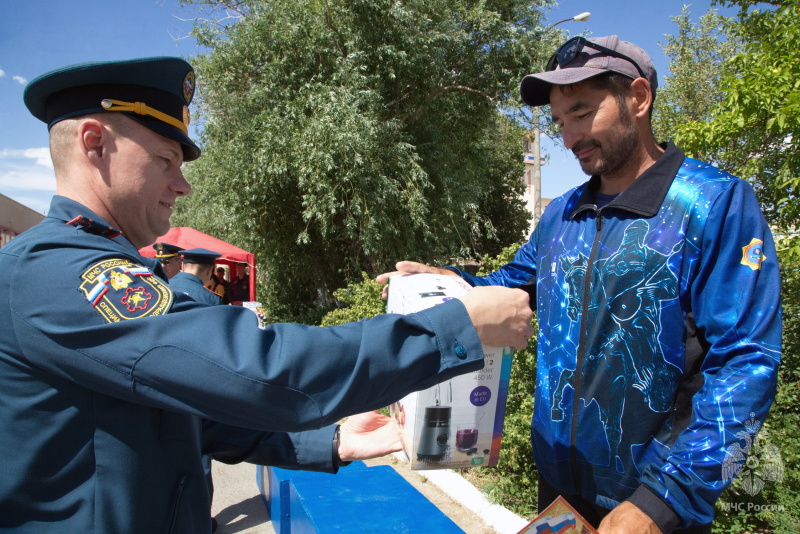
461,352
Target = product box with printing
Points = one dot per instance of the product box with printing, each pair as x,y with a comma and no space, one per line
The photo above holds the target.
458,422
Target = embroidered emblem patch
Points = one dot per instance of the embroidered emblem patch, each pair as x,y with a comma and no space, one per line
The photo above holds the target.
753,254
120,289
188,87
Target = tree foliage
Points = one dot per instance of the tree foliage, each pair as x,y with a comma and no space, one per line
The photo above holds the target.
696,55
342,135
752,131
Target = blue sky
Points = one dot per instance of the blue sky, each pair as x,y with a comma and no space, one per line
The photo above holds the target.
39,35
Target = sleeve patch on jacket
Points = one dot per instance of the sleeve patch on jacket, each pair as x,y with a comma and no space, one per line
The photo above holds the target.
120,289
753,254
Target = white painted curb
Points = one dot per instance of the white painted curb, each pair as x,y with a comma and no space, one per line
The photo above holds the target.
457,487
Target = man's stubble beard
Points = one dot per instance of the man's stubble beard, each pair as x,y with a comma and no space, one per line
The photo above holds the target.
617,150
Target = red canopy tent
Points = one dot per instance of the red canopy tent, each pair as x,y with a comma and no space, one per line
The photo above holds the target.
186,237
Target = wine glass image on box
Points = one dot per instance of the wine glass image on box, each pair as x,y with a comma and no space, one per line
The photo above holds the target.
466,438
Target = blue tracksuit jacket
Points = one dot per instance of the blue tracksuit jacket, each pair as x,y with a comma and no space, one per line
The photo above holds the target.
659,337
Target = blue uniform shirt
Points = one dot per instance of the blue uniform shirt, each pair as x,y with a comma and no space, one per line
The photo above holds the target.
106,378
191,285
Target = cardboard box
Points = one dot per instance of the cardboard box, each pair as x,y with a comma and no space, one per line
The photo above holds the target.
459,422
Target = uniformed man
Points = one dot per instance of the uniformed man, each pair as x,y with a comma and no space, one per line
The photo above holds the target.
195,275
167,255
113,387
239,286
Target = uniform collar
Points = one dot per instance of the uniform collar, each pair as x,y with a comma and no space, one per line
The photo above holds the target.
65,209
189,276
646,194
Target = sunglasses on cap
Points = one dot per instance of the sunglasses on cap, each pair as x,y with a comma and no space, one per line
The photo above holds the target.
574,46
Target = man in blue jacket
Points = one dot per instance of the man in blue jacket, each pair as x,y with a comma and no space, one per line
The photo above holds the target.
657,290
113,387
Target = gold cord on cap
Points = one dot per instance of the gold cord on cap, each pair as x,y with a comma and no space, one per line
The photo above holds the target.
140,108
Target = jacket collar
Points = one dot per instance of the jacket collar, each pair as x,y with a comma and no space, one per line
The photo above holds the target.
66,210
646,194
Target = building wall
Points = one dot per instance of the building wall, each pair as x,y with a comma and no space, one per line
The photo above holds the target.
15,219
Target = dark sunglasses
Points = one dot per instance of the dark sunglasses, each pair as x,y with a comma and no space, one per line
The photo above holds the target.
167,261
573,47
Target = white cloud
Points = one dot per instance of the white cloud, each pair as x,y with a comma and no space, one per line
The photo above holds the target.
27,176
2,73
41,155
19,79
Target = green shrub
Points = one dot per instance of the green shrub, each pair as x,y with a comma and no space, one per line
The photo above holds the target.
359,300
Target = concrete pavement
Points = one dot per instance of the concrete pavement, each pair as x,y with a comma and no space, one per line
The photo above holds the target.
237,503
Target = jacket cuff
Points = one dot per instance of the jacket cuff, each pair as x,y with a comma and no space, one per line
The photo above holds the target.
654,506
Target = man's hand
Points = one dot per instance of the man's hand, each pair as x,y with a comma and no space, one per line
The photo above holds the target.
627,518
501,316
368,435
409,267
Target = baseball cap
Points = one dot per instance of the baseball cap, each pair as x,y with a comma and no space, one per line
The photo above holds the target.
580,59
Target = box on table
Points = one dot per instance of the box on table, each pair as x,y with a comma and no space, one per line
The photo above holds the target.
459,422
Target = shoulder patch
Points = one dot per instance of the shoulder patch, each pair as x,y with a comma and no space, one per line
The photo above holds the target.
753,254
120,289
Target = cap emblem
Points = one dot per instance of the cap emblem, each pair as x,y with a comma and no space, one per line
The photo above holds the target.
188,87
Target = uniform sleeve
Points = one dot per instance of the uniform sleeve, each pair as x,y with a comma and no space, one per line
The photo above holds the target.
215,362
735,300
311,450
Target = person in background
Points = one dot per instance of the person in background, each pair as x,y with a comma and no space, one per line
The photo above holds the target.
657,289
219,284
239,286
169,258
114,386
195,275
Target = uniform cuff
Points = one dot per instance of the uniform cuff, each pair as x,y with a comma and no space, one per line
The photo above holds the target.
657,508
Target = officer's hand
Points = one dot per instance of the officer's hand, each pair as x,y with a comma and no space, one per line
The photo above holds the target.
368,435
627,518
502,316
409,267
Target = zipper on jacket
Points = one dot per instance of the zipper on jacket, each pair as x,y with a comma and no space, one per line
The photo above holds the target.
587,299
178,494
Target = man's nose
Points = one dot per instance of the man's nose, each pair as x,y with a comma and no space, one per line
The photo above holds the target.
181,186
570,137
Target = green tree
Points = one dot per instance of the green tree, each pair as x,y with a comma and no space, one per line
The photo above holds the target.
342,135
696,55
752,131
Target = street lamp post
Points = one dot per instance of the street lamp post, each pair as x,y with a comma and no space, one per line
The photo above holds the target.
536,171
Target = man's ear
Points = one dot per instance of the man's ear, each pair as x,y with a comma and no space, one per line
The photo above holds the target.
93,138
643,97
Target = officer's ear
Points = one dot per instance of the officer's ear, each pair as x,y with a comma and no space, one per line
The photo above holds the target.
93,137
